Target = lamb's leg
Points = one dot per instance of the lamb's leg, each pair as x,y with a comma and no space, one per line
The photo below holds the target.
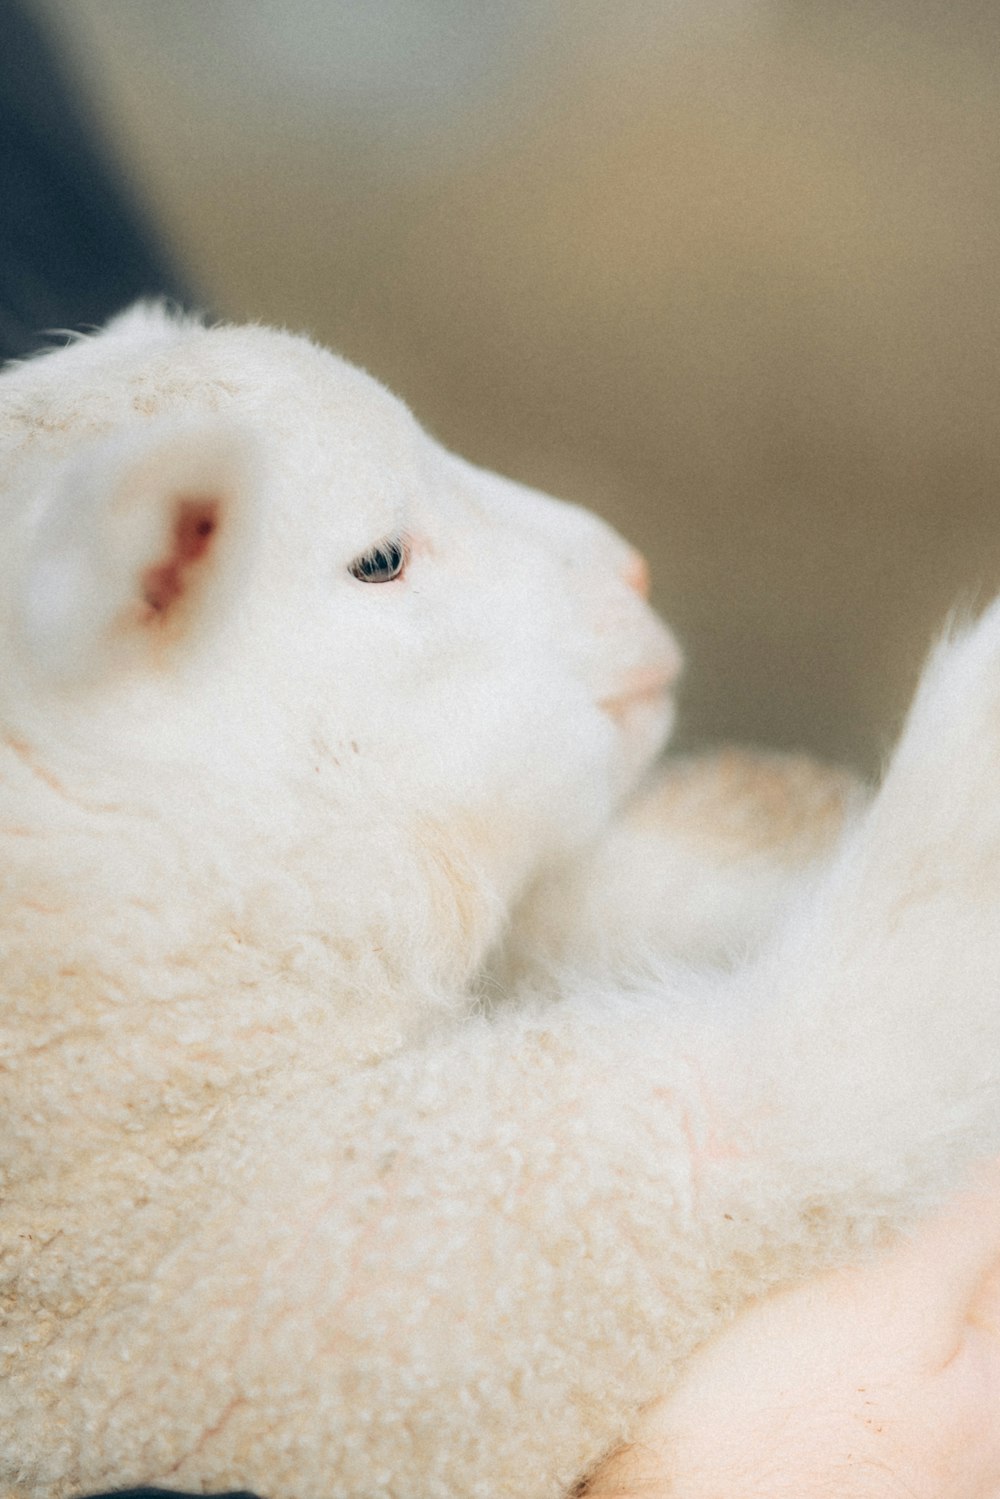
876,1043
701,866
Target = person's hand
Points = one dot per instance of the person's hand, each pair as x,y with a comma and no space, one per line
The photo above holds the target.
876,1383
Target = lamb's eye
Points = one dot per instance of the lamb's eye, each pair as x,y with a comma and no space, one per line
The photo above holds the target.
380,565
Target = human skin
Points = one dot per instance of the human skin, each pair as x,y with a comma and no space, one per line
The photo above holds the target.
877,1382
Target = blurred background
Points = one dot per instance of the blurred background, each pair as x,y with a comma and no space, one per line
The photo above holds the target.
725,270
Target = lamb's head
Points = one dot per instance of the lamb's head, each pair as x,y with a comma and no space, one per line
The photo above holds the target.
289,693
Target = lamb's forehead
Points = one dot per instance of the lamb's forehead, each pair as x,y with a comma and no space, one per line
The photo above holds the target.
149,364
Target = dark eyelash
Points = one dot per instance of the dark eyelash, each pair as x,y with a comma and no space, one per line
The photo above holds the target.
382,563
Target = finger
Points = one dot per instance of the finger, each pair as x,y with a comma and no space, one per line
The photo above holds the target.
984,1310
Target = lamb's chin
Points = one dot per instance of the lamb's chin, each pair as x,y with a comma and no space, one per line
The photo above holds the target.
645,721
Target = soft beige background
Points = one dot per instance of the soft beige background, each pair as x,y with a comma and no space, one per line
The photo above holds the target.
727,272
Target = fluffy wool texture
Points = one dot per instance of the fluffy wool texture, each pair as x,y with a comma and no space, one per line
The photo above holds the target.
395,1087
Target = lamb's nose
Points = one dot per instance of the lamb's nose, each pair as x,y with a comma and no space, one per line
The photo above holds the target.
636,574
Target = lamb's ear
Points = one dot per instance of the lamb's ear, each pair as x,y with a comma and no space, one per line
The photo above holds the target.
139,547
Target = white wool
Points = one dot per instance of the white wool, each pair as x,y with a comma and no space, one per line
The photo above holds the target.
284,1205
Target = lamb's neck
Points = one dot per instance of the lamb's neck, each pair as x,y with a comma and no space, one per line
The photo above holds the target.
93,1060
147,979
119,1024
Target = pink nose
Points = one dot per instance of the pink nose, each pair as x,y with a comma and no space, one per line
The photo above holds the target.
636,574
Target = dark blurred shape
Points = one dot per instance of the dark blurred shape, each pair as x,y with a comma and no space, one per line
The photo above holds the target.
164,1494
73,247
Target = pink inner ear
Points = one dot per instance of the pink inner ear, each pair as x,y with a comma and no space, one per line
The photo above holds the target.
195,522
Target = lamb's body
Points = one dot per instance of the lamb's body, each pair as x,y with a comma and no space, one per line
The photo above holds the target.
281,1210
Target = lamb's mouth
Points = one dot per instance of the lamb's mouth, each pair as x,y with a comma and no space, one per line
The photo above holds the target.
642,687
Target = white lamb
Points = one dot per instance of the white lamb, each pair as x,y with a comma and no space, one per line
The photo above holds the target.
300,716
